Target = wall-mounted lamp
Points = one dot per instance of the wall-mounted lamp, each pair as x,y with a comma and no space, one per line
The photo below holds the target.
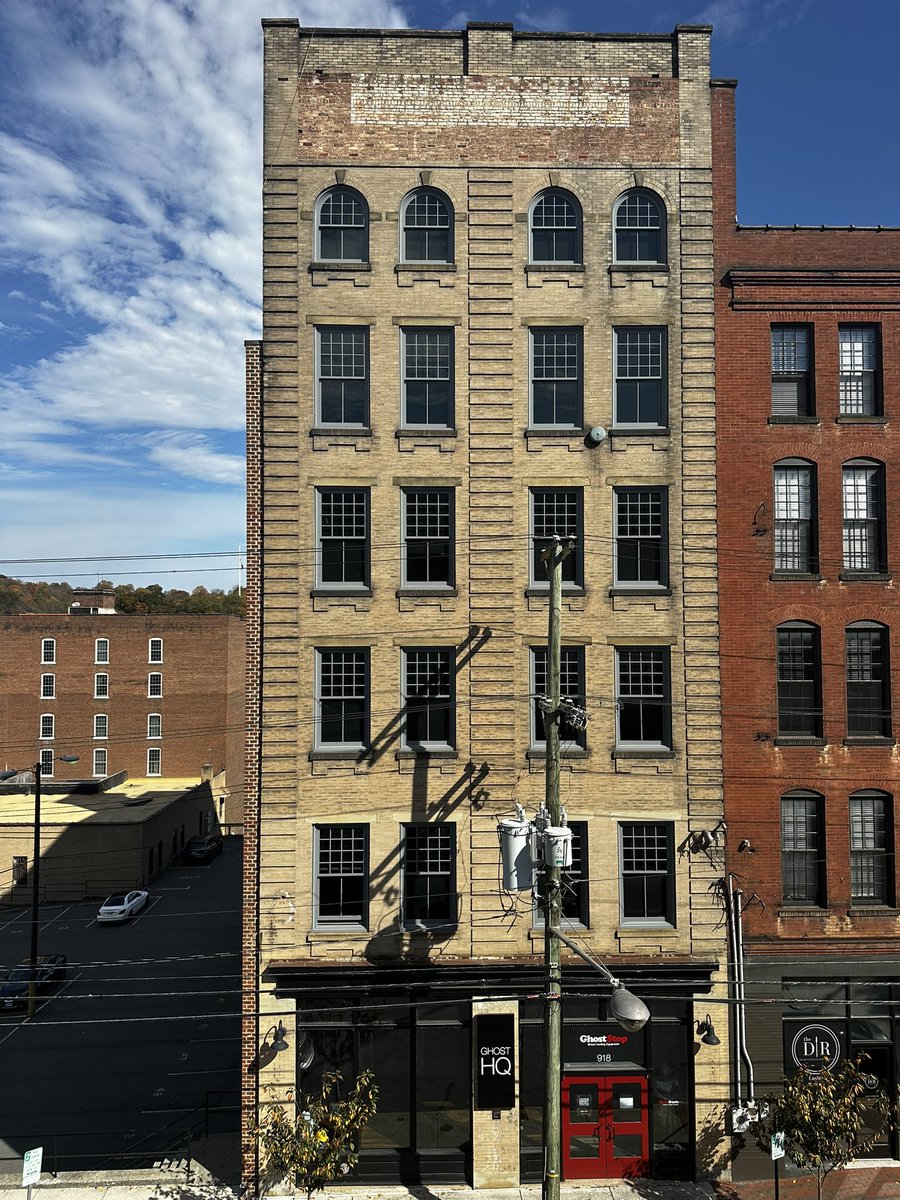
279,1039
706,1031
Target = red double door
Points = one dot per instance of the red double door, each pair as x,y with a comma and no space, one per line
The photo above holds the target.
605,1127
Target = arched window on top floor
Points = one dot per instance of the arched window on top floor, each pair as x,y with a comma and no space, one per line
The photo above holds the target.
639,228
342,226
555,228
426,227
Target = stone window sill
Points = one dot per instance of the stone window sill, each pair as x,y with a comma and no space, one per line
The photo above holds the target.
538,752
446,267
795,577
638,431
408,753
788,742
543,593
536,431
620,752
853,419
348,755
340,266
423,593
864,577
425,433
873,910
664,930
340,430
327,593
640,591
638,268
869,741
804,910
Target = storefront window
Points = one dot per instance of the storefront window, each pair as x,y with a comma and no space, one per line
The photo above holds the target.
531,1099
443,1083
814,999
670,1100
385,1051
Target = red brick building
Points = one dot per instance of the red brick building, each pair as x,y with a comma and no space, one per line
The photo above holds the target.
151,695
808,392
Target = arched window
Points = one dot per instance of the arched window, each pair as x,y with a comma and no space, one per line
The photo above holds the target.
342,226
426,227
799,681
639,228
868,680
794,487
555,228
871,859
865,545
802,848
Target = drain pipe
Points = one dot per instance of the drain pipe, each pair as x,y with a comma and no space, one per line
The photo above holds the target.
733,988
741,997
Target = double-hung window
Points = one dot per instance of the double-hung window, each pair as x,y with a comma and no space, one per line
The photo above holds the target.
792,391
155,650
343,520
555,228
154,684
342,690
641,400
643,698
871,838
48,758
48,687
154,761
428,698
641,524
639,225
574,883
427,523
101,725
556,378
428,378
154,725
342,226
341,876
429,875
799,680
868,680
863,504
342,375
48,726
48,650
556,511
647,861
100,757
571,687
795,526
101,650
860,375
101,686
802,849
426,223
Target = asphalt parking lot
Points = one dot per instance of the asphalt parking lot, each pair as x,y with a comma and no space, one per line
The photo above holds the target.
140,1043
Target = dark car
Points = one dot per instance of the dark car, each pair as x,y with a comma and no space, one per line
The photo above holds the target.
202,849
14,989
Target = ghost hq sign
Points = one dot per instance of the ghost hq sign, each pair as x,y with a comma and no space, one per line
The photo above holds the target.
813,1045
494,1042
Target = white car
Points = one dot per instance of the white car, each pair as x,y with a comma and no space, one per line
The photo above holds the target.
122,906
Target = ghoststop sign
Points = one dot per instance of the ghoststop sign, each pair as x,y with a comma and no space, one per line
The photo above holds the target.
495,1060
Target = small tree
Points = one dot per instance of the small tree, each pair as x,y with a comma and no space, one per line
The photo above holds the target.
318,1144
822,1115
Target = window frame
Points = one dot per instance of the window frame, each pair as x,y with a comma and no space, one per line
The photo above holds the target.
48,690
576,880
20,868
408,332
876,372
154,758
447,701
321,201
154,685
444,199
152,656
815,803
573,563
535,333
787,529
47,761
104,717
880,856
48,652
785,712
578,237
344,543
408,494
883,712
620,333
98,755
47,727
322,333
669,919
575,666
445,828
658,203
150,734
341,746
805,403
876,522
662,582
101,691
664,702
355,921
101,649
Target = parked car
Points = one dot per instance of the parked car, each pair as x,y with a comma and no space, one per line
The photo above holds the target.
122,906
202,849
14,989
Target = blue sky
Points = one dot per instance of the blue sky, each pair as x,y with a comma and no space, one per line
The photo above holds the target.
129,234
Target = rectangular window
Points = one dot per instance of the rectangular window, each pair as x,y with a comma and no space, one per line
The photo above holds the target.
427,537
428,699
429,875
19,869
101,650
859,388
572,688
101,686
154,725
343,519
154,761
868,682
48,758
863,518
641,554
799,682
802,856
48,650
343,687
100,759
556,373
154,684
574,883
556,511
870,838
795,549
342,376
101,725
48,724
640,380
792,391
643,707
647,857
428,378
48,687
342,875
155,650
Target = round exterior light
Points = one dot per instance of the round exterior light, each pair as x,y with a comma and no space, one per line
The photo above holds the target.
629,1010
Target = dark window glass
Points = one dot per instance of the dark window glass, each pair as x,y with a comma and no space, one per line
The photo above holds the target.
640,381
860,374
428,377
868,682
20,869
443,1087
343,375
429,874
639,228
641,552
864,540
556,228
428,697
791,374
871,864
802,851
343,695
343,227
795,531
427,227
642,699
386,1052
556,377
648,877
799,682
344,537
428,537
571,688
342,866
574,881
556,511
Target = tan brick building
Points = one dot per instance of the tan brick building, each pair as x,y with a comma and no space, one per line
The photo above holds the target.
488,319
156,696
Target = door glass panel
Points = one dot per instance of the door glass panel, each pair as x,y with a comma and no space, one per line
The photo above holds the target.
626,1102
584,1146
869,1029
876,1066
628,1145
584,1106
386,1052
442,1087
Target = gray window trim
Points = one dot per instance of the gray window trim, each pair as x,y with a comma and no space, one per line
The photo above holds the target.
794,530
343,585
665,702
363,331
643,585
404,205
578,331
543,582
317,228
882,856
426,585
579,229
450,876
663,331
877,522
450,700
449,331
663,257
361,925
318,743
807,795
581,830
538,739
669,921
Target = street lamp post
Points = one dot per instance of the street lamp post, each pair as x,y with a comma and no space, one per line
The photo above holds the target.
36,874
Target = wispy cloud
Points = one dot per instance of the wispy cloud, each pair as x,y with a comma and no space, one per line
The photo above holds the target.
732,19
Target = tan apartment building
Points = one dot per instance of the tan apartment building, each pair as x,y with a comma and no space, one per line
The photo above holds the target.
488,320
